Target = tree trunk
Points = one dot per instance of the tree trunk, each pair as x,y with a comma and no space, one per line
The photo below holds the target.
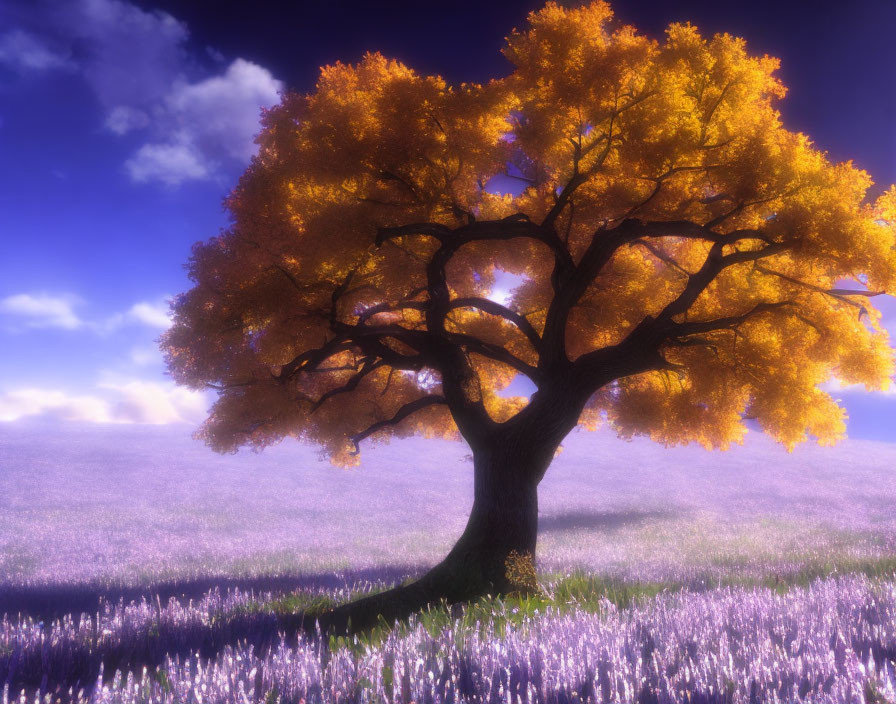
503,521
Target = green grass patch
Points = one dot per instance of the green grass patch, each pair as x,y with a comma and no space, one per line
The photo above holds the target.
585,591
557,593
294,603
581,591
488,614
875,568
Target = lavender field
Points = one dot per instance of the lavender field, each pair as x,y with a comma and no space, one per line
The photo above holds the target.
101,526
137,504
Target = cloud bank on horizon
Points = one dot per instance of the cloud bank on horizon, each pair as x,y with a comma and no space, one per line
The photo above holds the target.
132,401
116,399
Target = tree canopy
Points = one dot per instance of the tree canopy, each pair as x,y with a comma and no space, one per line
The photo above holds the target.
680,251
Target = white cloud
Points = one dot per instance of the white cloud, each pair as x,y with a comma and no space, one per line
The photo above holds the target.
42,311
128,56
197,120
154,315
46,311
151,402
205,123
172,164
145,356
124,119
55,404
25,51
225,109
151,314
132,401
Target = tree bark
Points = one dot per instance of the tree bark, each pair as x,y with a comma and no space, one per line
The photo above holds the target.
503,520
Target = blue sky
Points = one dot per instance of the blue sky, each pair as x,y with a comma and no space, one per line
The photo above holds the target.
118,140
123,126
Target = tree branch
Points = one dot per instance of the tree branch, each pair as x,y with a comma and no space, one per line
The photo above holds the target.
386,175
231,385
400,415
460,382
301,288
309,359
712,110
574,182
351,384
713,265
605,242
838,293
639,351
743,205
516,225
850,292
660,181
680,330
685,229
496,352
662,256
428,229
511,227
495,308
368,313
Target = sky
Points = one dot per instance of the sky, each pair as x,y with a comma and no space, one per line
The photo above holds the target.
123,124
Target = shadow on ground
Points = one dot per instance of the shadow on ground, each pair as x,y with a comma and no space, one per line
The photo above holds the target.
598,520
50,601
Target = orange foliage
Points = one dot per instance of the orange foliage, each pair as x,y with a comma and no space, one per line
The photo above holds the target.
605,127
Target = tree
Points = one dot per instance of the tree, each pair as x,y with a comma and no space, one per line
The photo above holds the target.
679,253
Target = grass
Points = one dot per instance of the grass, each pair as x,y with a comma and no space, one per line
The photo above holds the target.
499,613
294,603
559,593
588,592
875,568
489,613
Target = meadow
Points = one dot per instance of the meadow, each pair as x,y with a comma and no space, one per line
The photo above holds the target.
137,565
